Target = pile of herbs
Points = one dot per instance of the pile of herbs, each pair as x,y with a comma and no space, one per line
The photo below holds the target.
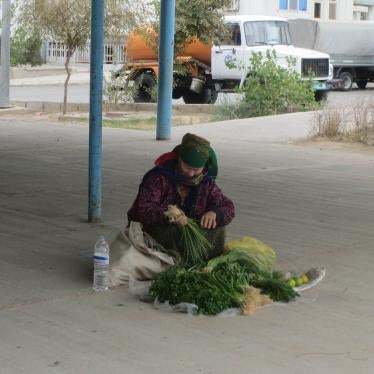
218,284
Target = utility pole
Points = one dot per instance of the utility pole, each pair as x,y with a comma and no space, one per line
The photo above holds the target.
5,54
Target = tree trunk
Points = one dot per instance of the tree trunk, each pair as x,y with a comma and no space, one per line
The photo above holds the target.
68,71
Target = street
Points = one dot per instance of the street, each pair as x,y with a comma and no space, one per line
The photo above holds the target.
80,94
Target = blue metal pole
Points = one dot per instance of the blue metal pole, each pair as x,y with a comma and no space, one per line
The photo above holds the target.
165,77
96,94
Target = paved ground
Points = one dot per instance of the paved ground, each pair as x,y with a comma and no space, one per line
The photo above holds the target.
315,206
50,88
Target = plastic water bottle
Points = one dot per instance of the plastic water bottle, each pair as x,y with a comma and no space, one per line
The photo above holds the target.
101,265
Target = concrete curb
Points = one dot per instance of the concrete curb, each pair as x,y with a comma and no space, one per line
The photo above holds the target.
24,83
53,107
43,71
13,110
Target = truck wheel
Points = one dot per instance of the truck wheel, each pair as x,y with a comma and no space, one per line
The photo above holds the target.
347,79
320,96
144,87
207,96
362,84
178,92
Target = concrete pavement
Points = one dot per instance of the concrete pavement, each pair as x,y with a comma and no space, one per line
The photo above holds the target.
55,75
313,205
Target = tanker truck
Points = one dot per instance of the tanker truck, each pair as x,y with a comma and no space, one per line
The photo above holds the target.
349,44
223,67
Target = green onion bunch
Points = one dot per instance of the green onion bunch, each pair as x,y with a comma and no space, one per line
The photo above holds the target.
195,245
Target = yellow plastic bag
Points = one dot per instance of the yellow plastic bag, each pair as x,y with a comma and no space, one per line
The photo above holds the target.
261,253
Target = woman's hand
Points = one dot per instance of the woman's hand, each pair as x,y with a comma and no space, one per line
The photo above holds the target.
208,220
182,220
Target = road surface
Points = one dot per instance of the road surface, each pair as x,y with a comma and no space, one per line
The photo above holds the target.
80,94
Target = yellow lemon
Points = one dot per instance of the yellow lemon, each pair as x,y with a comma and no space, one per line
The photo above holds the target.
305,278
291,282
298,281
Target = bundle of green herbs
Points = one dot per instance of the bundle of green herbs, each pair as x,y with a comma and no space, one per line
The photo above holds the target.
217,287
195,245
177,285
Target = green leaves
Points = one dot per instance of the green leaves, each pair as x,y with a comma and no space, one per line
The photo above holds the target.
25,49
196,246
220,286
273,89
178,285
195,18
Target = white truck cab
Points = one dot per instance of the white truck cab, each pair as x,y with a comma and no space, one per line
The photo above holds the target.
248,34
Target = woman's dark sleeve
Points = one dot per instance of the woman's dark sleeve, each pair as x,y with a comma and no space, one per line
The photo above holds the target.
221,205
150,205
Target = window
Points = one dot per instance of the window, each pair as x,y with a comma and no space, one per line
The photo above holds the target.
283,4
231,35
266,33
317,10
332,9
293,5
303,5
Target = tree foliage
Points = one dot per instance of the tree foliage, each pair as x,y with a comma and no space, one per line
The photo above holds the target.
193,18
25,49
68,21
271,89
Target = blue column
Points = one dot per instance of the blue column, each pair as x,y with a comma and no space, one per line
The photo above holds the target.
96,94
165,77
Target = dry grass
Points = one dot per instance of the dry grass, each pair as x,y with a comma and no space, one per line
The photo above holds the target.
349,124
138,122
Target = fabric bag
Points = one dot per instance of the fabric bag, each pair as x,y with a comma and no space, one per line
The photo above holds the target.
134,253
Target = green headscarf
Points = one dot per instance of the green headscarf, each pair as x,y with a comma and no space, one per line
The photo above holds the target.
194,150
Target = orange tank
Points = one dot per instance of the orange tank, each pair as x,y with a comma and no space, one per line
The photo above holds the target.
137,49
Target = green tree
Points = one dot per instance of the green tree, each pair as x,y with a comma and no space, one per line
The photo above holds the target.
68,21
194,18
272,89
25,48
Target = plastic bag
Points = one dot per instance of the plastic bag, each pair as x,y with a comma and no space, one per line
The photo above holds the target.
190,309
139,288
315,276
262,255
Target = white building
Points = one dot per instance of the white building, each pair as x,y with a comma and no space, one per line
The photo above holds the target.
342,10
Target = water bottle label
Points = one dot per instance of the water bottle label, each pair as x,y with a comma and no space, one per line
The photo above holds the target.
101,260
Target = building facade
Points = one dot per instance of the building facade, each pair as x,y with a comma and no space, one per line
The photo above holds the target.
341,10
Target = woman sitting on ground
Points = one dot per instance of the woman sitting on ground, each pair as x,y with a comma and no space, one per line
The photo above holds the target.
184,177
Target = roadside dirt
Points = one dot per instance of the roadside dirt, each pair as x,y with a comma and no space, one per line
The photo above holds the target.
324,144
125,120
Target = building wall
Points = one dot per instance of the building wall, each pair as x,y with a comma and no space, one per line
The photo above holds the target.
345,10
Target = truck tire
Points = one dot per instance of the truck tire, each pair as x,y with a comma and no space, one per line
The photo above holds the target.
347,79
361,84
178,92
320,96
144,86
207,96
